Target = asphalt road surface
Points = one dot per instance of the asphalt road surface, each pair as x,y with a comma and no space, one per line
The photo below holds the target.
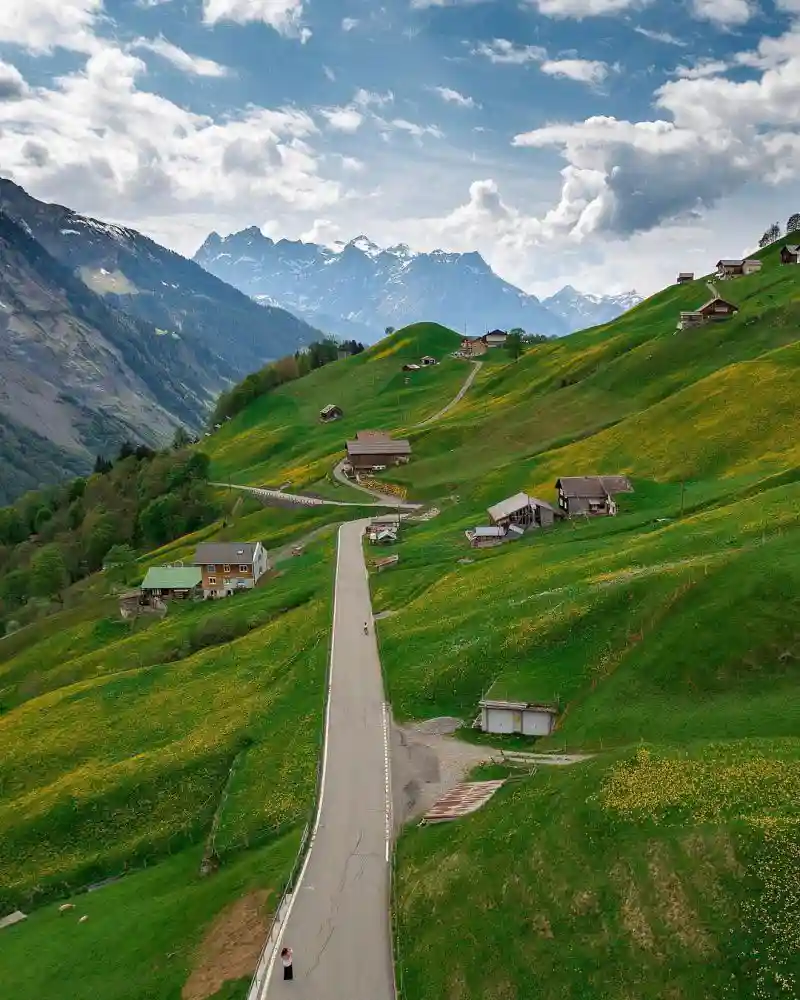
338,924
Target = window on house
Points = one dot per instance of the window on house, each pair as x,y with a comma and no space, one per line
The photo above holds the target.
226,568
212,581
243,569
211,569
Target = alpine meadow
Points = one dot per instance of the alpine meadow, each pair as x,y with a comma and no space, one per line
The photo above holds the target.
170,764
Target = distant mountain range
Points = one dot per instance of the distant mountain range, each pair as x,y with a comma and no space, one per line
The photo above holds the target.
105,335
357,289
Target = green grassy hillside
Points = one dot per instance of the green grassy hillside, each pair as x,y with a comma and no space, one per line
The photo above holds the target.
664,873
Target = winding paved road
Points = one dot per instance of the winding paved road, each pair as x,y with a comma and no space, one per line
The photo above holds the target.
337,922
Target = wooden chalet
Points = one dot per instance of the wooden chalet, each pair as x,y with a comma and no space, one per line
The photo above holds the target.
472,346
790,254
714,310
495,338
485,537
373,449
685,277
428,360
591,496
410,367
525,512
330,412
737,268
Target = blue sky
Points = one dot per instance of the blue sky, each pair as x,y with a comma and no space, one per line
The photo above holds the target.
604,143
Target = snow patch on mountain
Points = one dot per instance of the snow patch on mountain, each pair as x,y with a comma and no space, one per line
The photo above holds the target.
358,288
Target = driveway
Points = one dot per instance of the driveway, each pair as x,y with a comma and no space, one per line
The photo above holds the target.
338,921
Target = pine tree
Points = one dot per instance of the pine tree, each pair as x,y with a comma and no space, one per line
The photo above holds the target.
793,223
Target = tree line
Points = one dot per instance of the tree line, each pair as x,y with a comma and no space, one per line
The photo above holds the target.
138,500
276,373
774,232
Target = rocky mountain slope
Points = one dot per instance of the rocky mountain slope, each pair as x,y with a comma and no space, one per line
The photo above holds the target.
76,375
106,335
141,278
358,288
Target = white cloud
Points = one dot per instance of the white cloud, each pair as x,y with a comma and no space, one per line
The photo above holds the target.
704,68
418,131
324,232
114,148
12,83
193,65
366,98
451,96
660,36
581,70
725,13
353,165
329,73
344,119
42,25
501,50
348,23
285,16
583,8
425,4
773,52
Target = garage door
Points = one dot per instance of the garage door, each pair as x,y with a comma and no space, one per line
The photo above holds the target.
500,721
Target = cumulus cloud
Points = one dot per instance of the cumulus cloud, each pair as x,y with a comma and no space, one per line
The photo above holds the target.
182,60
12,84
324,232
285,16
118,146
343,119
348,23
622,179
583,8
450,96
581,70
43,25
704,68
725,13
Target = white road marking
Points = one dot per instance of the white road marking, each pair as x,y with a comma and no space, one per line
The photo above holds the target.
388,779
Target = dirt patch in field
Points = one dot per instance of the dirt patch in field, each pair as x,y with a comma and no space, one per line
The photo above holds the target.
632,912
674,905
426,764
231,947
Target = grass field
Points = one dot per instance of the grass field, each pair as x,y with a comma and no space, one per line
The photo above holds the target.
641,874
668,637
144,933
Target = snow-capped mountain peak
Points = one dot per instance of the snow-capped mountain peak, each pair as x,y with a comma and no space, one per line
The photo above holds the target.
358,288
366,246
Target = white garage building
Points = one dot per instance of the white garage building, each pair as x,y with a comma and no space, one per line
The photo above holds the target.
528,718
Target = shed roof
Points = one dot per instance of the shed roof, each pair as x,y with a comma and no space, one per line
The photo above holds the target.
492,532
730,263
172,578
518,706
378,446
330,408
686,274
226,553
584,487
714,301
505,508
792,248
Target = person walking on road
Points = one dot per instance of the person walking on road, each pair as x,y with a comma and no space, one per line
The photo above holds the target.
366,628
286,961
